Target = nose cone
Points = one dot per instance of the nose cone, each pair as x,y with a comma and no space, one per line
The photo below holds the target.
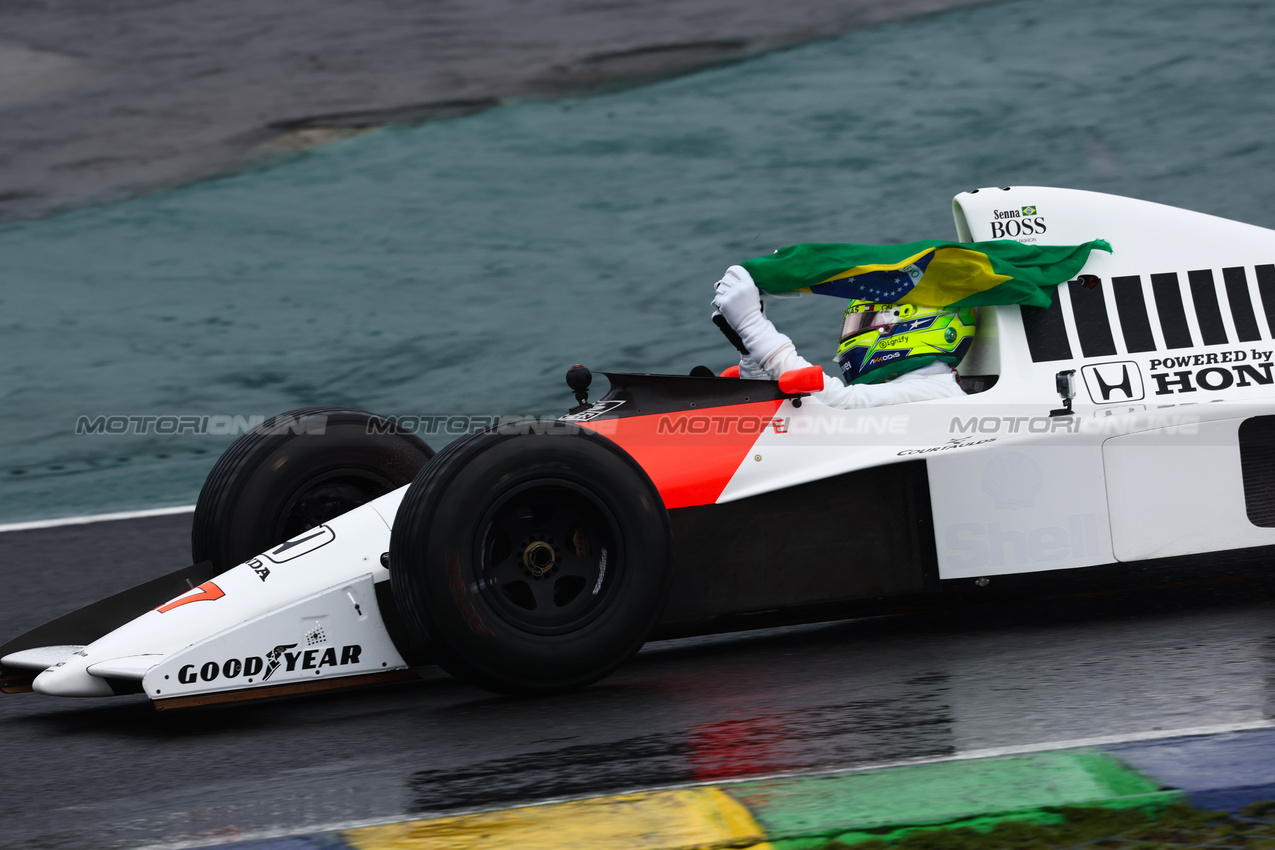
71,679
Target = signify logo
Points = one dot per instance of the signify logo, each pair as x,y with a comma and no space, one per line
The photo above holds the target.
971,545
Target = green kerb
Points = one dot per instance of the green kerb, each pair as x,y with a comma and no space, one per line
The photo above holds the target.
807,812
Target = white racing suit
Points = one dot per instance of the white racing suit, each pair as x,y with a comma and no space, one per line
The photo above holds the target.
938,380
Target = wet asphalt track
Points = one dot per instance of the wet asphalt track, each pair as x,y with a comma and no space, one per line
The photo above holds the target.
113,772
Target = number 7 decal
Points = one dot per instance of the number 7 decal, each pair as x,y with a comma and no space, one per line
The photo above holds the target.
206,592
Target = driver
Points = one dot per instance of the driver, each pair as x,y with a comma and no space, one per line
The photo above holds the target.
889,353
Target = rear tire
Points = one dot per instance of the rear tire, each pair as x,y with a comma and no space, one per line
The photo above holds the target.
531,558
295,472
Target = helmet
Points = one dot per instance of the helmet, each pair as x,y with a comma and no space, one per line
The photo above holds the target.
879,341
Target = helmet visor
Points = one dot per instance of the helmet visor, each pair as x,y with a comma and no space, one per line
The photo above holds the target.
853,323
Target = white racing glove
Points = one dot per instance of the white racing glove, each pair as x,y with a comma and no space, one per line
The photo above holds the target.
750,368
738,300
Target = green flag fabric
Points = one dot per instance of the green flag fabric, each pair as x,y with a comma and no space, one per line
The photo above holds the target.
930,273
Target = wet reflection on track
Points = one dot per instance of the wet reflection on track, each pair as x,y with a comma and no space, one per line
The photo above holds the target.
748,741
867,692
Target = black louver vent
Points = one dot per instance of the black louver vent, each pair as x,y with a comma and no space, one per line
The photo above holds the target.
1257,463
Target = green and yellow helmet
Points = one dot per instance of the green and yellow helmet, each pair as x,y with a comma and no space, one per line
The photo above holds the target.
879,341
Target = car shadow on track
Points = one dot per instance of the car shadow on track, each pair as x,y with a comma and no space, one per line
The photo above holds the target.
968,613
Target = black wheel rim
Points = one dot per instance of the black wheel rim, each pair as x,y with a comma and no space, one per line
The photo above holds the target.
548,556
326,497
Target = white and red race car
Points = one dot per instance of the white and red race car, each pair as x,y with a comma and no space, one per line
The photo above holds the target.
1125,431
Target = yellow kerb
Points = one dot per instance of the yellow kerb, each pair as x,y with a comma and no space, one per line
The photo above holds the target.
651,820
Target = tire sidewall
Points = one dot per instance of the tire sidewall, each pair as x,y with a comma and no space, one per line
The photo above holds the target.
241,506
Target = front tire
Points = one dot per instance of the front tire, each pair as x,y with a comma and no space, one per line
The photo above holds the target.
295,472
532,558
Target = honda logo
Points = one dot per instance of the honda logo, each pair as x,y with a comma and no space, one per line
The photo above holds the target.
1111,383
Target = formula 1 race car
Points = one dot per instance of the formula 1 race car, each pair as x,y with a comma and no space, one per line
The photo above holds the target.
1126,429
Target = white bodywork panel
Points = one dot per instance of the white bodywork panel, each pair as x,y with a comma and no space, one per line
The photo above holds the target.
1020,509
332,556
39,658
1175,493
335,632
1146,237
815,441
129,667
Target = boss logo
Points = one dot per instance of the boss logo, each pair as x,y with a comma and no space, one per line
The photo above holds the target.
1016,222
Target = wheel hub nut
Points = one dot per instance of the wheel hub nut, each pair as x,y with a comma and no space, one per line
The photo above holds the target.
538,558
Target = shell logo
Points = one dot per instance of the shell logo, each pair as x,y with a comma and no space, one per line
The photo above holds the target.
1012,479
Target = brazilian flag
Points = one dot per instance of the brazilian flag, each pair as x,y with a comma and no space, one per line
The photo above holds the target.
933,274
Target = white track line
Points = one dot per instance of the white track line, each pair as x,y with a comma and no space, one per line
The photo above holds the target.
965,755
86,520
1026,749
1108,740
